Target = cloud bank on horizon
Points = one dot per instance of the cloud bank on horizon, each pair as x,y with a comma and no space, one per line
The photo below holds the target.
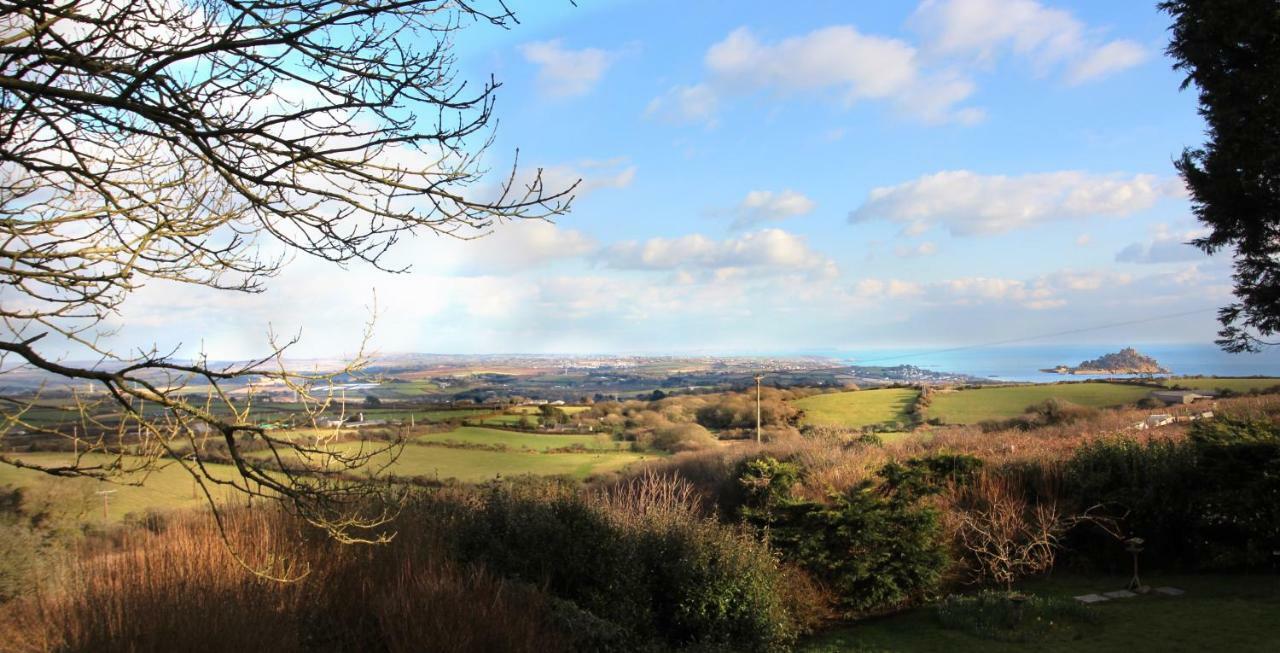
951,172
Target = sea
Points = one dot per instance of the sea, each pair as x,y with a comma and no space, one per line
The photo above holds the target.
1024,362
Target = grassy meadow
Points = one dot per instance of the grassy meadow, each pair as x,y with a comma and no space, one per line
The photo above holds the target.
857,408
531,441
975,405
172,487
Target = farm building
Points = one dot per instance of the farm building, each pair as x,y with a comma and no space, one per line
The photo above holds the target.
1179,396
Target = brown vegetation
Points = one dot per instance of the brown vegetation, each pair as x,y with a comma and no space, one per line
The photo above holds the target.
177,587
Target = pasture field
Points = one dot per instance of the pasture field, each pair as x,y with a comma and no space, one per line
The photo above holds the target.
421,416
1002,402
167,488
172,487
530,441
502,420
1218,613
476,465
857,408
536,410
1209,384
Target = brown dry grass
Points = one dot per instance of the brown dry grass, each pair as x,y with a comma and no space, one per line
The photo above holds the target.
833,464
179,589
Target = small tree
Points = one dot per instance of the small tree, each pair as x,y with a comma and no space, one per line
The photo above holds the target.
1000,534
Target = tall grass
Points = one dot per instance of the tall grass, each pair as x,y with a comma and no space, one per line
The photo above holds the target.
180,589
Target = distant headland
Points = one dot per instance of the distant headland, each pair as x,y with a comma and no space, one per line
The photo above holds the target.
1125,361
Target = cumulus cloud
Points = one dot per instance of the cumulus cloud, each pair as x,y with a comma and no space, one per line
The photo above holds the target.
1051,39
563,72
968,203
762,206
763,250
520,246
839,59
1039,293
1166,246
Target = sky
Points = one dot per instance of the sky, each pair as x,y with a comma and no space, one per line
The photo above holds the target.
773,177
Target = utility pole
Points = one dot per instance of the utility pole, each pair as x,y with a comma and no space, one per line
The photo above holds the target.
106,503
759,377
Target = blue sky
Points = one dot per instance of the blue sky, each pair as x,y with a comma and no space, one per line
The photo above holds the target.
768,176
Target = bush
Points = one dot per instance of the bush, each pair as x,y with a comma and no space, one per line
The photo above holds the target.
682,437
1210,502
876,548
665,575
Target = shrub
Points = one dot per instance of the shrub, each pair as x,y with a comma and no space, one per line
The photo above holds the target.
664,575
874,547
682,437
1210,502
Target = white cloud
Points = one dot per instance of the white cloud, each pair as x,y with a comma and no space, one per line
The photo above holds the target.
1048,38
838,59
923,249
761,206
685,104
563,72
1084,240
968,203
763,250
1039,293
1165,246
520,246
1112,57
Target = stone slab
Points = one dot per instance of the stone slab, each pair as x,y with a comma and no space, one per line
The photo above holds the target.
1170,591
1091,598
1119,594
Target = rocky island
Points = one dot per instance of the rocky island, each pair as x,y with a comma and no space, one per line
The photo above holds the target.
1125,361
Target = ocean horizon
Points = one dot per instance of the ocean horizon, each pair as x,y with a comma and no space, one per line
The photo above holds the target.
1024,362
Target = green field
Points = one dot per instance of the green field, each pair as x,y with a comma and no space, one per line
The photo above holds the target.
975,405
531,441
474,465
172,487
1218,613
536,410
421,416
858,408
167,488
1209,384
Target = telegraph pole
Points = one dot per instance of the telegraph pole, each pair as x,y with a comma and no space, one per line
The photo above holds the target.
106,503
759,377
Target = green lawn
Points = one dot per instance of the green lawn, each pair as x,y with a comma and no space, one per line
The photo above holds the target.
532,441
857,408
1235,385
976,405
1218,613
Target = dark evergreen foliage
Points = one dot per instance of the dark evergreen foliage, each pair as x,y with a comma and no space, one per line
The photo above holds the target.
1230,51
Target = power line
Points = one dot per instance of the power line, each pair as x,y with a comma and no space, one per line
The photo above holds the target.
996,343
